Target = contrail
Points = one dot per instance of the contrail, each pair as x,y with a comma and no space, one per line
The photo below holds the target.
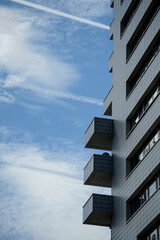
62,14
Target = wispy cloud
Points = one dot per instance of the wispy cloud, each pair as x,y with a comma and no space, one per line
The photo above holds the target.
32,67
86,9
41,188
6,97
62,14
78,98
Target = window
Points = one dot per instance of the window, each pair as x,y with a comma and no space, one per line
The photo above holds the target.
159,181
152,188
144,106
141,155
141,68
129,14
143,196
152,234
144,150
141,28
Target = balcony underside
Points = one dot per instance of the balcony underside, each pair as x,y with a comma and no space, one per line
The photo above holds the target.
99,219
100,141
100,179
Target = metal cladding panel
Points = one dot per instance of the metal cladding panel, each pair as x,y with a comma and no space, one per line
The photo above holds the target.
98,171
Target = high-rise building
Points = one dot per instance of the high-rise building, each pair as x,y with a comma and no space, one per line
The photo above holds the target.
132,130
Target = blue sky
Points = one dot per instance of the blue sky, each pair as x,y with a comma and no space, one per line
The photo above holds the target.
53,79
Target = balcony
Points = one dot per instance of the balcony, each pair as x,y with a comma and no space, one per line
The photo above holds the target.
111,3
107,106
98,171
111,30
99,134
98,210
111,62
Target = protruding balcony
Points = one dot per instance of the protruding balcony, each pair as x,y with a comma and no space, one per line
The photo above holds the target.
111,62
98,210
99,134
111,30
111,3
107,103
98,171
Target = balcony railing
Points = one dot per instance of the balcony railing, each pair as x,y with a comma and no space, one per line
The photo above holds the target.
98,171
99,134
107,103
111,30
98,210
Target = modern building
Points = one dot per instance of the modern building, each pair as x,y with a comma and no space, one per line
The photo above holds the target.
132,130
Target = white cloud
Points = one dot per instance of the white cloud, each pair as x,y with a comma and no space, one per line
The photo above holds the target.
28,66
90,8
32,67
50,94
42,193
62,14
6,97
32,108
4,133
81,8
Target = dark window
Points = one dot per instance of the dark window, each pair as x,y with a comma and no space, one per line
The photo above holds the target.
159,181
152,234
159,231
141,28
143,151
129,14
143,195
142,67
152,188
144,106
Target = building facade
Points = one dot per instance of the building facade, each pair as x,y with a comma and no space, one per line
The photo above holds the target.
133,133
